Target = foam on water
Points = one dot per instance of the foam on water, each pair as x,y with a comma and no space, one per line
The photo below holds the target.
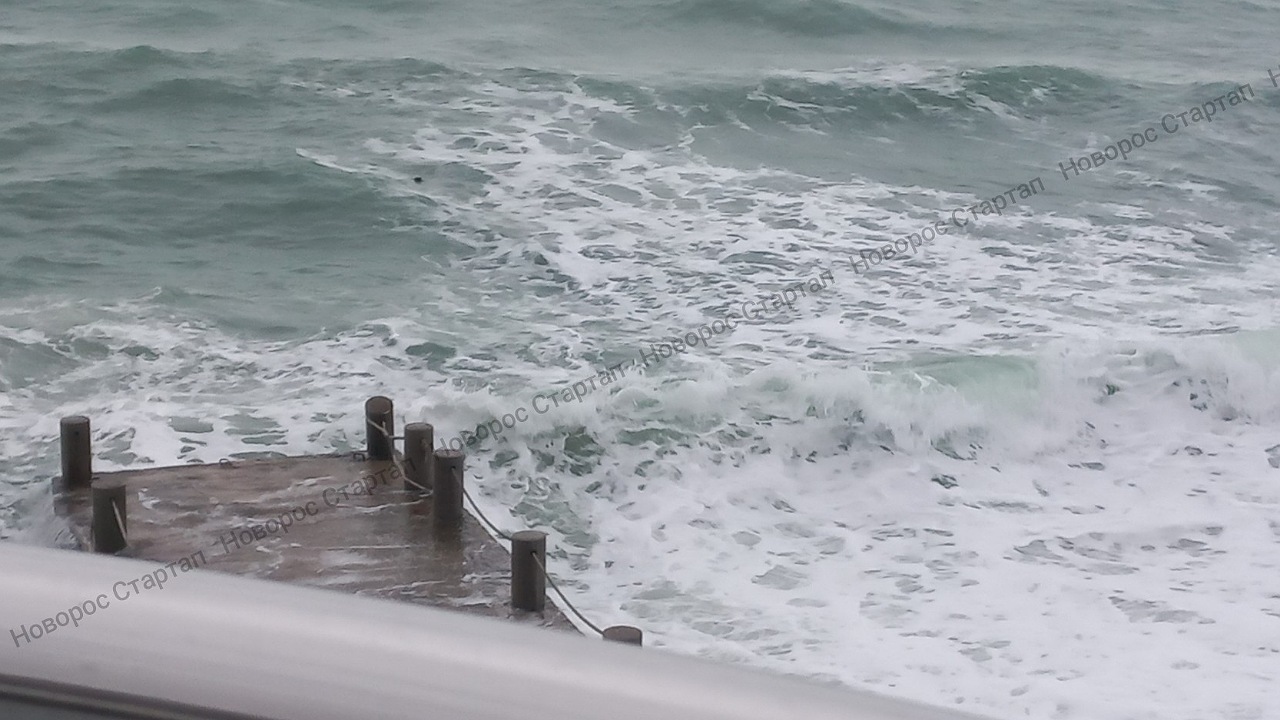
1067,532
1030,471
1066,535
656,228
1078,553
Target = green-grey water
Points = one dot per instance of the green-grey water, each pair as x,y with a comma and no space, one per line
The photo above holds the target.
970,476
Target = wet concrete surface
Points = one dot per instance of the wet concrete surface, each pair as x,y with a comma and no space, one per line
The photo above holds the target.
353,525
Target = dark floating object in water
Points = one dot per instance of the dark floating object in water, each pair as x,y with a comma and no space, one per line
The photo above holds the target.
417,179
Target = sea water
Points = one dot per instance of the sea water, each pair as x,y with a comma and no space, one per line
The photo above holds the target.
1029,468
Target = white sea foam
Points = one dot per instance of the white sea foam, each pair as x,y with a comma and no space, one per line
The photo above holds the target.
1096,555
1020,473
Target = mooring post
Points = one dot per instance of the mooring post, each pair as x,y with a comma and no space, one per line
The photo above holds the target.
77,453
380,427
418,439
625,634
528,581
446,489
110,523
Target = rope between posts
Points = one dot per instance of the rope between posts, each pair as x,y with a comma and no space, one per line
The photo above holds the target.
564,599
93,539
537,560
488,523
120,522
484,519
391,439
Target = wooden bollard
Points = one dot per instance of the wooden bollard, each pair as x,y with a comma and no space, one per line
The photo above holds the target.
446,489
624,634
528,581
110,533
77,453
418,439
379,412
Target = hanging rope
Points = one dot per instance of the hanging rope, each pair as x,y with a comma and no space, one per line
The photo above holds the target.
493,528
564,599
93,540
399,466
488,523
120,523
476,508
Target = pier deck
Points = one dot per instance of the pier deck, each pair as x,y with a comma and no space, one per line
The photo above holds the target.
354,526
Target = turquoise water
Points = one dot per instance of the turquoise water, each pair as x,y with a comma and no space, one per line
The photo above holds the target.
213,243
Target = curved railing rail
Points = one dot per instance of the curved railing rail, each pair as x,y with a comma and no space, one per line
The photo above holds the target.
226,647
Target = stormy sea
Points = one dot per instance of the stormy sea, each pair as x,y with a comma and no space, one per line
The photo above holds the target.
930,350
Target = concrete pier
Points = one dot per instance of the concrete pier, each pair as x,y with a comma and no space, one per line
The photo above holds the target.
341,522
